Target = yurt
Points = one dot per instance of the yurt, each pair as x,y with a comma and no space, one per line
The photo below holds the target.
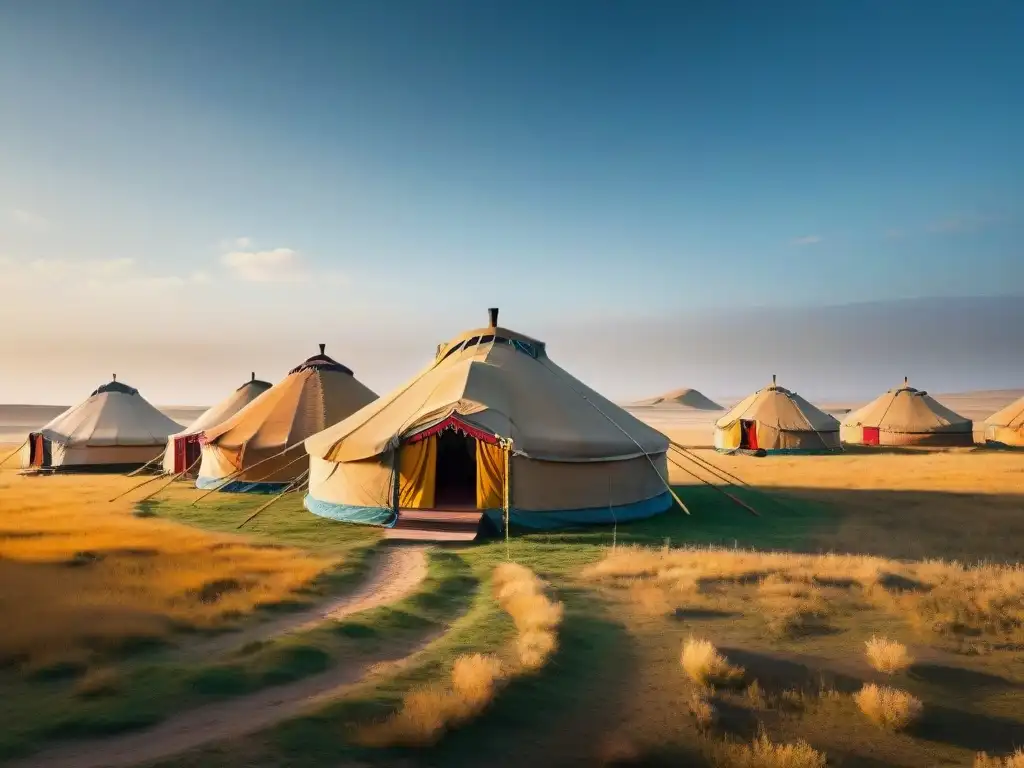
113,430
492,427
259,449
906,416
688,399
183,449
775,420
1006,427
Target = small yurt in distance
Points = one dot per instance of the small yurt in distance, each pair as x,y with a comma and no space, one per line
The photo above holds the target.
114,429
775,420
493,421
183,448
687,399
906,416
1006,427
259,449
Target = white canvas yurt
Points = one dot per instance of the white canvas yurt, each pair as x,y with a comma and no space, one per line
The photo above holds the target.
1006,427
183,449
114,429
906,416
259,449
492,422
775,420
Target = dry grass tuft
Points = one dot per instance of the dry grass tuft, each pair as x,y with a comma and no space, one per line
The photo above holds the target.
948,598
101,681
887,707
755,695
703,711
706,666
887,656
521,594
764,753
1016,760
428,712
85,577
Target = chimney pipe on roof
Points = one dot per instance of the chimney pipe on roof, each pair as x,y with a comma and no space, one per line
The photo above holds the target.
492,315
115,377
773,379
253,376
906,381
322,348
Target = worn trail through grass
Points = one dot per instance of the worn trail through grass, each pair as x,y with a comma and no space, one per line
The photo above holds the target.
396,575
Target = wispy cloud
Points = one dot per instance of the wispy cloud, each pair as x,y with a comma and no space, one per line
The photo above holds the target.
963,222
806,240
278,265
94,274
28,219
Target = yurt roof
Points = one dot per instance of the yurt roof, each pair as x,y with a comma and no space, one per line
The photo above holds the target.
114,415
321,362
1011,416
906,409
227,407
502,383
781,408
313,395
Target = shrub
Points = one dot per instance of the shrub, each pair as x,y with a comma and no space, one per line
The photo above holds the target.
702,709
705,665
887,656
764,753
1016,760
887,707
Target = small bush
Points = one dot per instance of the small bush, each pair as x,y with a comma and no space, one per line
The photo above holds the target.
705,665
1016,760
703,710
764,753
887,707
755,695
887,656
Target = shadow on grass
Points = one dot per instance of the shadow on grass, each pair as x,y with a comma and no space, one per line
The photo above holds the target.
958,679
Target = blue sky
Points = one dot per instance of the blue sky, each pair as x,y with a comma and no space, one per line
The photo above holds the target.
263,173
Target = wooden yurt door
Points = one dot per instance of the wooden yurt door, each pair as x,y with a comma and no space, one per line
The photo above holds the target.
871,436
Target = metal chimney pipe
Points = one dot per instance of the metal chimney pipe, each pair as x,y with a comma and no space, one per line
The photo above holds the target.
492,314
322,348
253,376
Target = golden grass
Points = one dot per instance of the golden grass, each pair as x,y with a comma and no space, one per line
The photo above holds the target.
764,753
99,681
1016,760
706,666
84,576
944,597
426,713
886,655
703,711
889,708
791,607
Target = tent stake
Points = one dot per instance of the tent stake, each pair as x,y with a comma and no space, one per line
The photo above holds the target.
14,452
712,485
292,485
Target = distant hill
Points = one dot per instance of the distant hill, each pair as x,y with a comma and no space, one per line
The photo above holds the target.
682,398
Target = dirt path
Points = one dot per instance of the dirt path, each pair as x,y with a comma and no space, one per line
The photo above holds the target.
395,575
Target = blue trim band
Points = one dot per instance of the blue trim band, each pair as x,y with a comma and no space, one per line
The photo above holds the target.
347,513
238,486
534,520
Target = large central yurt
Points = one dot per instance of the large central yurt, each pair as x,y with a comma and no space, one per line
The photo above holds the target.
1006,427
115,429
183,448
775,420
492,425
906,416
260,447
